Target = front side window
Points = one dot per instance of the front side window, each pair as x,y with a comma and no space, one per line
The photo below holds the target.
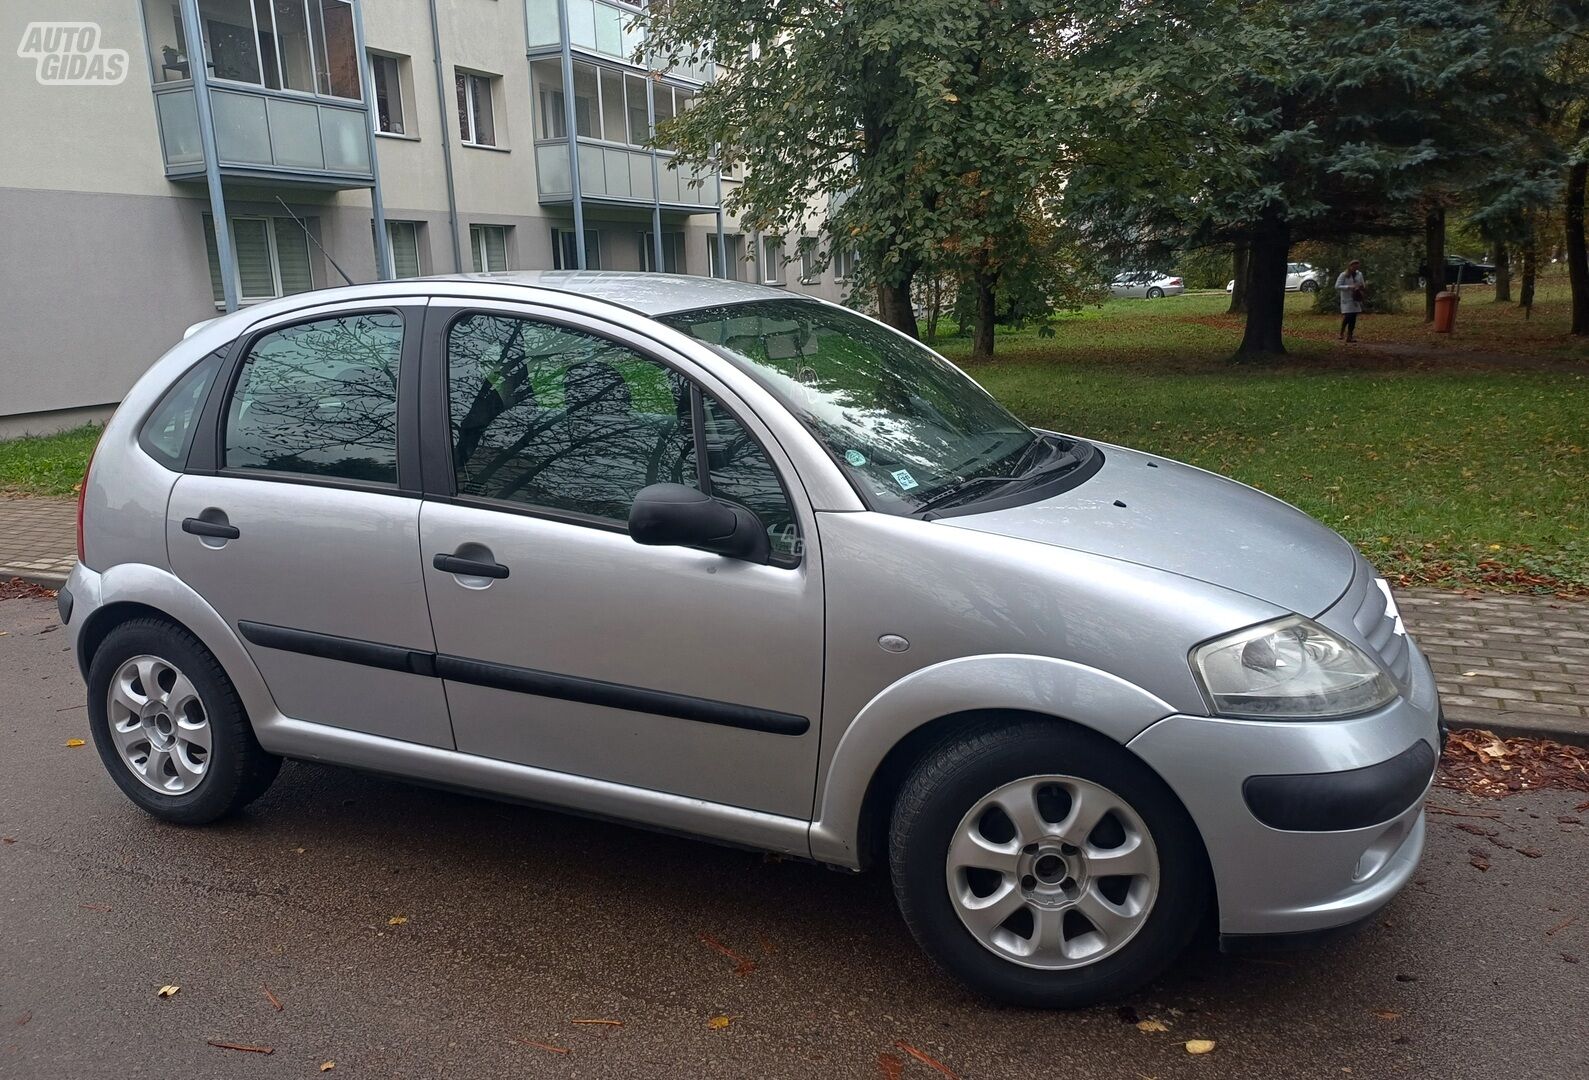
168,433
556,418
911,430
320,398
476,116
739,471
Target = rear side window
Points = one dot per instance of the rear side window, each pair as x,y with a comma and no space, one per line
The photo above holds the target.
320,398
168,432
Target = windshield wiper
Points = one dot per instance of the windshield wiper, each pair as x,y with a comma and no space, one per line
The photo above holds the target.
954,491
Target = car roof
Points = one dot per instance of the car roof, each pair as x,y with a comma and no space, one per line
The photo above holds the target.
647,293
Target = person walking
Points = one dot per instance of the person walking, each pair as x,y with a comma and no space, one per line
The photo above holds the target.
1349,287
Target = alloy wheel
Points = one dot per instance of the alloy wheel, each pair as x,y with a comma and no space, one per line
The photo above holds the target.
1052,872
159,725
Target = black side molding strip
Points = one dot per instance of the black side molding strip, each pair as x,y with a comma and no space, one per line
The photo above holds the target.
1339,801
332,647
524,680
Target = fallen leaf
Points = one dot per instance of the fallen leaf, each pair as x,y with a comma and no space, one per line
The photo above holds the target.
8,839
397,920
1532,853
1199,1046
718,1023
275,1001
743,965
327,1066
168,991
25,1017
243,1048
1478,859
608,1023
890,1066
548,1047
1151,1025
1387,1014
930,1062
75,743
1568,921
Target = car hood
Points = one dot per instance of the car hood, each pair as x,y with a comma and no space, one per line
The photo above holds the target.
1156,512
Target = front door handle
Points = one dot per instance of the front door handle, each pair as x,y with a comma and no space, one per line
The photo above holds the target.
456,564
219,530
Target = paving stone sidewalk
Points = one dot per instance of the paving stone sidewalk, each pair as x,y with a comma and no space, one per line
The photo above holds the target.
1518,665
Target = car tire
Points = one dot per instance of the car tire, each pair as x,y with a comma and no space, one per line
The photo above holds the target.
937,897
152,743
1309,286
1155,293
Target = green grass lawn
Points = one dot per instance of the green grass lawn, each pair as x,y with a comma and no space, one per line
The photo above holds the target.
1443,470
46,465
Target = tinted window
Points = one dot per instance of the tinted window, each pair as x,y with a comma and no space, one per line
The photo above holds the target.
168,432
561,419
740,472
320,398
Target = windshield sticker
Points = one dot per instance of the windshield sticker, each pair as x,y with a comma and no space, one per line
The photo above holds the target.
855,458
903,478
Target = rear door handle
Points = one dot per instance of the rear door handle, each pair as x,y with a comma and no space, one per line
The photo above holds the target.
454,564
200,527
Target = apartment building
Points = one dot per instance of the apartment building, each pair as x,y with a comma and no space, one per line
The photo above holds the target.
317,139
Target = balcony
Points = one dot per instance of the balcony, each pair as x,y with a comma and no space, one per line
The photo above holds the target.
267,135
621,175
604,28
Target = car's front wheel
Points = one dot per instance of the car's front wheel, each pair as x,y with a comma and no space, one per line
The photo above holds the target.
169,726
1309,286
1042,865
1155,293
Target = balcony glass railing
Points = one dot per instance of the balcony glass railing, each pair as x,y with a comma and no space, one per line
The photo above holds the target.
619,174
263,131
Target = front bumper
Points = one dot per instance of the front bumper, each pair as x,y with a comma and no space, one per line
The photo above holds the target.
1366,773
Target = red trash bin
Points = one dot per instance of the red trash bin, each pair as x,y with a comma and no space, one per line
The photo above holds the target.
1445,311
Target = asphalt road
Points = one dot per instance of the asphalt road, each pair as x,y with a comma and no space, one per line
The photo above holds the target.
520,921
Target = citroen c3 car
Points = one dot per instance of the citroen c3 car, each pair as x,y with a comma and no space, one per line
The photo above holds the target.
716,559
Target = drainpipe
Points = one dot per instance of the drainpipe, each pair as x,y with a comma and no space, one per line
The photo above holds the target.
193,41
446,142
569,122
656,178
722,242
384,270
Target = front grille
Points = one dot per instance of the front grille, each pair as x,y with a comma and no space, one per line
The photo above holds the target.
1375,615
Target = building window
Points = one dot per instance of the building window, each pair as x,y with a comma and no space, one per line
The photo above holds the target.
404,236
488,246
809,274
386,73
672,252
304,45
608,104
565,254
272,257
476,117
844,264
772,260
731,249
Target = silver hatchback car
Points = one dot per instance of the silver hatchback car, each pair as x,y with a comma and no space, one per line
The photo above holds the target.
711,558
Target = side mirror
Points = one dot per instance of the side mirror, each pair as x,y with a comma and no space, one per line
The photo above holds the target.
672,515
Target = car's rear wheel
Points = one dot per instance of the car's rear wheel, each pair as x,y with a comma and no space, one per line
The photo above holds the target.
1309,286
1042,865
1155,293
169,727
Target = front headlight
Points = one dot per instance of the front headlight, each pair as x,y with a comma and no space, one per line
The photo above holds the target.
1291,669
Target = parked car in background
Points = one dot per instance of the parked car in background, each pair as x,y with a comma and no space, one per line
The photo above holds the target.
1460,270
1300,277
1145,285
714,559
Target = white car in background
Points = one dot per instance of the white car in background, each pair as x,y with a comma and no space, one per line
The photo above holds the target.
1145,285
1300,277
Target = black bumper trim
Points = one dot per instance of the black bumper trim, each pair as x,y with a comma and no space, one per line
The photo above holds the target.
1339,801
63,604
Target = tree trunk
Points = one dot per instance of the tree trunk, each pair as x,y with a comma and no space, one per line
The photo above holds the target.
893,307
1241,265
1434,259
1577,255
1525,296
982,338
1503,275
1266,288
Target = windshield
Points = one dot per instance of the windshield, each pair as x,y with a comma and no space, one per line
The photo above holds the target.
911,430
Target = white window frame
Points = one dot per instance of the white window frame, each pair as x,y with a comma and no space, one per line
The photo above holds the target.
272,251
392,227
394,93
485,252
844,261
473,137
809,274
770,274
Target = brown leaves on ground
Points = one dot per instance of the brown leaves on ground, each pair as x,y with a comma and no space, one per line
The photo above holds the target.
17,589
926,1059
1481,763
743,965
